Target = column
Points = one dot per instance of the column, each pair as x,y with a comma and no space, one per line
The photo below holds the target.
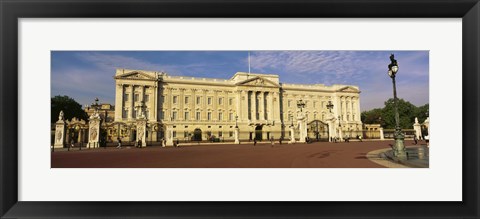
192,104
276,106
130,98
154,102
244,103
204,105
254,105
358,109
238,101
119,102
260,106
181,104
168,99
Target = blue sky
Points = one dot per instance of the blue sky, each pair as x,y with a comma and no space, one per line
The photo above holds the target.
84,75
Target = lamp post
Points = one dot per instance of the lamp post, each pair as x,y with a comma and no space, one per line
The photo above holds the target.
399,149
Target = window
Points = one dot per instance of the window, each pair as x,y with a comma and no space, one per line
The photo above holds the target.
220,101
187,116
125,97
147,97
124,113
209,101
135,113
174,134
162,114
230,101
147,114
230,116
315,116
348,117
289,103
135,98
174,115
175,99
314,104
198,116
220,116
230,134
209,116
198,100
186,100
185,134
220,133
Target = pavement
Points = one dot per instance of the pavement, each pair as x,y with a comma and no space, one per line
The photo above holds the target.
366,154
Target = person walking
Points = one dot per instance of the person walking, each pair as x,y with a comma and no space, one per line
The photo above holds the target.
272,141
119,142
415,139
254,141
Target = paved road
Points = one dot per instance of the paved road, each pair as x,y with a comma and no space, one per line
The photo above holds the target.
320,154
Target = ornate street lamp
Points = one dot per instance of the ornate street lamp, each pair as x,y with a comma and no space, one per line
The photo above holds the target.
300,105
399,149
330,106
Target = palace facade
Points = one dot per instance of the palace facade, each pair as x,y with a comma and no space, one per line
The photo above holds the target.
209,109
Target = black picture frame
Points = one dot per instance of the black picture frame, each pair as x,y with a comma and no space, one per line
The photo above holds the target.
11,11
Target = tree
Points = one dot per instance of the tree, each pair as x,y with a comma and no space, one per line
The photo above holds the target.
406,111
69,106
371,117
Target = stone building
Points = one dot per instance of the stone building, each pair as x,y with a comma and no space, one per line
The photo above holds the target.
209,108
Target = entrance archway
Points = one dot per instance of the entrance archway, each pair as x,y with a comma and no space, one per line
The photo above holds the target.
258,132
197,134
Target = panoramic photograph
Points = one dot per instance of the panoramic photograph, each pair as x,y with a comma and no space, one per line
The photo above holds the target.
240,109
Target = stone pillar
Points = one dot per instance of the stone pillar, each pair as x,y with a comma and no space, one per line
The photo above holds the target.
238,98
292,135
418,129
60,128
381,134
302,127
141,131
132,106
119,93
237,133
427,124
169,135
254,105
330,130
94,131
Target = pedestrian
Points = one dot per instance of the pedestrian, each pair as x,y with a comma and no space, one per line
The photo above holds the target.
415,139
254,141
280,140
176,145
139,144
360,138
272,141
72,144
119,142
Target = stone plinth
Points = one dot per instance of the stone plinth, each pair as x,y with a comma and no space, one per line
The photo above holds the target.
141,132
60,129
94,132
169,135
292,135
302,128
237,132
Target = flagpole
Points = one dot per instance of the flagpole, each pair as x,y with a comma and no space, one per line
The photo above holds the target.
248,61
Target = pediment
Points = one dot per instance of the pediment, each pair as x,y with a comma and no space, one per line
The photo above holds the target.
135,75
259,82
349,89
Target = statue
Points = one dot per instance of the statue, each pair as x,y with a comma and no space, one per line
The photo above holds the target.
60,116
140,133
416,120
